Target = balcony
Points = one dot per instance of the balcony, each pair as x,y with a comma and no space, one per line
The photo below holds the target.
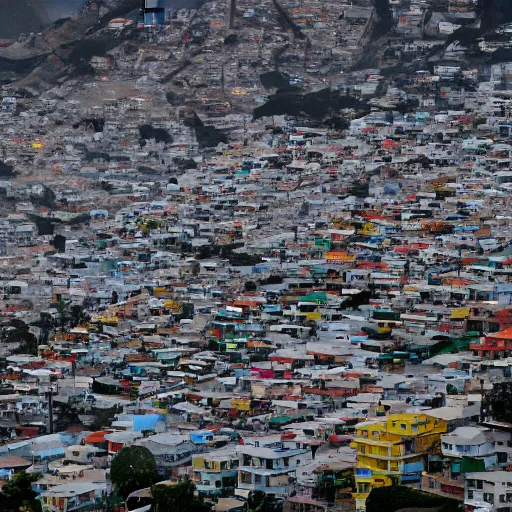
477,503
279,491
86,506
442,486
208,489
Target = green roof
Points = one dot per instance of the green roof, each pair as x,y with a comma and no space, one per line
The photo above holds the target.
318,297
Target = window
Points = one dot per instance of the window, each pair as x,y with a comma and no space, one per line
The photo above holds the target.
489,498
382,464
502,498
479,484
375,433
76,454
362,449
403,426
459,448
470,495
363,488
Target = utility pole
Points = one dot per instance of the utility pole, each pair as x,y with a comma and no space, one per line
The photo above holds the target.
49,397
232,14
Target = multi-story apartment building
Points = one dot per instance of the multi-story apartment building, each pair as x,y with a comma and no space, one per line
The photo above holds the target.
393,450
477,443
270,464
215,473
171,451
491,491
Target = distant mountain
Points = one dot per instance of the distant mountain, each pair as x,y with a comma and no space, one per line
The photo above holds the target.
65,48
23,16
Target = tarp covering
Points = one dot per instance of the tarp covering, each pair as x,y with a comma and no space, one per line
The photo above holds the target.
147,421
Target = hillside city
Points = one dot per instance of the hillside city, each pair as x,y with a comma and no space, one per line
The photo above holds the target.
257,257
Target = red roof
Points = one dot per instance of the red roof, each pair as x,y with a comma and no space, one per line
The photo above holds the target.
13,309
506,334
97,437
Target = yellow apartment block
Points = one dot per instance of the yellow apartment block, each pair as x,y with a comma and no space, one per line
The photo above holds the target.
393,450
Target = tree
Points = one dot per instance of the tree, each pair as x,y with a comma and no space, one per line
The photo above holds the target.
356,300
62,308
395,497
59,242
260,502
178,498
17,494
46,324
45,198
133,468
498,402
115,297
195,268
103,418
18,332
250,286
77,315
147,132
244,259
272,279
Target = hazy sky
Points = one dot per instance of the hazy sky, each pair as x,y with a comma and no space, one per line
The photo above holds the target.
17,16
30,15
59,8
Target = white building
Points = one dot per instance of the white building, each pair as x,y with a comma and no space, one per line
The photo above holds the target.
488,490
269,464
472,442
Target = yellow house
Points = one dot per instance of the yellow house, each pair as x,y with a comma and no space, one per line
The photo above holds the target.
367,229
215,473
393,450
